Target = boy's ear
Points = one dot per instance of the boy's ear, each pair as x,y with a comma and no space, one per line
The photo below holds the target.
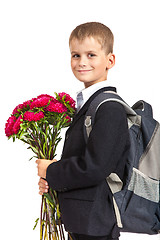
110,60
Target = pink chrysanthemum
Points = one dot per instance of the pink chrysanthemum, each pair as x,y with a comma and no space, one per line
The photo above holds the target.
9,126
45,95
56,107
41,101
31,116
16,126
21,106
69,119
67,99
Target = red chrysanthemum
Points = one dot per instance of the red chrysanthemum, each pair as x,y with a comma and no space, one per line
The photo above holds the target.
31,116
56,107
67,99
16,126
45,95
41,101
9,126
68,119
21,106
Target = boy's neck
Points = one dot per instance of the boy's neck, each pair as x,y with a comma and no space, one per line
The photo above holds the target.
86,85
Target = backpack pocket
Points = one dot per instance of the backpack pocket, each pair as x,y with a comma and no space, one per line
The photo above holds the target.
140,209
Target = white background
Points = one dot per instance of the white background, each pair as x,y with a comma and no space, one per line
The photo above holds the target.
35,59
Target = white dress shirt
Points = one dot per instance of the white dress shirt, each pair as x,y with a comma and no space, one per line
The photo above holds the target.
86,93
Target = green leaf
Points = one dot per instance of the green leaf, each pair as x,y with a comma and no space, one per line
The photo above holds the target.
51,201
57,97
44,148
58,212
50,149
36,222
14,138
32,158
35,150
42,155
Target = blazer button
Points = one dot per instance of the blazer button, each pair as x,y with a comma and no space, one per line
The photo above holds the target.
67,136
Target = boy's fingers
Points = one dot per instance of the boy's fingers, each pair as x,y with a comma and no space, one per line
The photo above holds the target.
37,161
43,190
43,186
42,181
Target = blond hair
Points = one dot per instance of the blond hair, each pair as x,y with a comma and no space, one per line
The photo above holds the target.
96,30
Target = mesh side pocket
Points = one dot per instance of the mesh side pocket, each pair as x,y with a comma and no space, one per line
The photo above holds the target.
144,186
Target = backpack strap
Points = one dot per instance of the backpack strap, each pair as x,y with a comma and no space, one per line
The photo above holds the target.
132,116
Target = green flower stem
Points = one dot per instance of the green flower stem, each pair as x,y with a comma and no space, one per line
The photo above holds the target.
38,137
46,128
45,209
47,220
41,219
36,142
50,227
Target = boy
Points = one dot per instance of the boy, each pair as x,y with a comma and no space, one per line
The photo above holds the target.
79,178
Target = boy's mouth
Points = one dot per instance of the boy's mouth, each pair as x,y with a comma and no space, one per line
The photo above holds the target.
84,71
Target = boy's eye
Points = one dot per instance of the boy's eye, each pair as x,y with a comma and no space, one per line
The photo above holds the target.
91,55
76,56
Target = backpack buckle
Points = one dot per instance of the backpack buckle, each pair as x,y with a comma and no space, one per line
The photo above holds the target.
88,125
88,121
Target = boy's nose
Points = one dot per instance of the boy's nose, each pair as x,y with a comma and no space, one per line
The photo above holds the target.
82,62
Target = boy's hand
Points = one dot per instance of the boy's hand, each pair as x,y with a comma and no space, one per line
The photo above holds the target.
43,186
42,165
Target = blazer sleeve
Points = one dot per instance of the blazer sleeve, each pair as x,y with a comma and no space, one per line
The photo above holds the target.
105,151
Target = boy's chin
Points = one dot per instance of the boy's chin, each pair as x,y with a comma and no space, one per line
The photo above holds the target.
86,82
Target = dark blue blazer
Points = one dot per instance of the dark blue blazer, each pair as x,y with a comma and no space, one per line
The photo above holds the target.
79,177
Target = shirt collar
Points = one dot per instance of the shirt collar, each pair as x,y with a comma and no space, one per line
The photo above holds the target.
86,93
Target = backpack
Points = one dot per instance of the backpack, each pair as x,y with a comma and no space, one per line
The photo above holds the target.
137,199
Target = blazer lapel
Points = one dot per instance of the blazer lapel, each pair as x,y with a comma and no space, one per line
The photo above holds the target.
86,105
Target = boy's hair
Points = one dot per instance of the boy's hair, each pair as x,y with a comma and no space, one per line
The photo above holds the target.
96,30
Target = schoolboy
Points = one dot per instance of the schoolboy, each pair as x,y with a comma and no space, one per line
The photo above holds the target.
79,178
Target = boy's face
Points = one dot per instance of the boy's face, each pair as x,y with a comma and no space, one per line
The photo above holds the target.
89,62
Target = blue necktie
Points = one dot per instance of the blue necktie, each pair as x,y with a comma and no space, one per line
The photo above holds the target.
79,101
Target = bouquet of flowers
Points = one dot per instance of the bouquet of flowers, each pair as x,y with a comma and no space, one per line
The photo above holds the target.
38,123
